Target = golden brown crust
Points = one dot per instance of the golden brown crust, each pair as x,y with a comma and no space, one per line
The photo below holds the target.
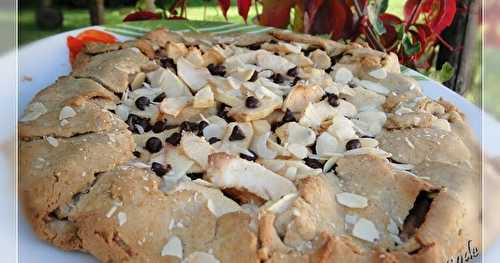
81,192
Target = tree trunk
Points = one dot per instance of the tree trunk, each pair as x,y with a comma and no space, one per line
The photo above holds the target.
45,3
462,35
96,10
48,17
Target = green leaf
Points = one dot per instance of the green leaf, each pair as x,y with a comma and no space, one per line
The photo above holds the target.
373,17
446,73
410,48
400,30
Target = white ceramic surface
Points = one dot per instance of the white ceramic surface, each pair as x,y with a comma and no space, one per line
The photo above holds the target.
42,62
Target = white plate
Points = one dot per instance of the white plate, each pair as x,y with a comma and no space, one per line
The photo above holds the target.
42,62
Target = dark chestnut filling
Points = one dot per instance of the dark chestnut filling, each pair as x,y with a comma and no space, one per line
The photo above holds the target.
417,214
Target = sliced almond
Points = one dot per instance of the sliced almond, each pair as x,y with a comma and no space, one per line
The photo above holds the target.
365,230
34,110
352,200
52,141
66,113
173,247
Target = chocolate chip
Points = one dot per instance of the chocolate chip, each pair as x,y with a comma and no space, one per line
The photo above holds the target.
308,51
252,102
328,70
142,102
213,140
160,169
237,134
334,167
288,117
335,59
217,70
313,163
333,100
293,72
254,76
202,125
353,144
295,81
160,97
254,46
168,63
250,158
276,125
222,112
134,120
195,176
153,145
277,78
137,154
273,41
189,126
174,139
159,126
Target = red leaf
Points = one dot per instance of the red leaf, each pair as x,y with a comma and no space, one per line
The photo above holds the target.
442,13
276,13
224,6
142,15
243,8
390,37
335,18
438,14
410,7
312,7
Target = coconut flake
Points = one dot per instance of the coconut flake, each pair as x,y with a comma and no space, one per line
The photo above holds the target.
373,86
173,247
34,111
66,113
364,229
380,73
441,124
343,75
122,218
52,141
402,166
370,151
352,200
327,145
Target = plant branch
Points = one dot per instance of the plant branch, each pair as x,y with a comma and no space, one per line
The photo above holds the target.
413,16
371,34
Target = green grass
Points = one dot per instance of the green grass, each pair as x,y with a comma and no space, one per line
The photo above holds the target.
76,18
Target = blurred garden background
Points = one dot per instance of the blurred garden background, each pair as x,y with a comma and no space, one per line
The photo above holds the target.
407,38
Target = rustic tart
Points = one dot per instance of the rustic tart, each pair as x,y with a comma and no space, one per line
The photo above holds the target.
274,147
